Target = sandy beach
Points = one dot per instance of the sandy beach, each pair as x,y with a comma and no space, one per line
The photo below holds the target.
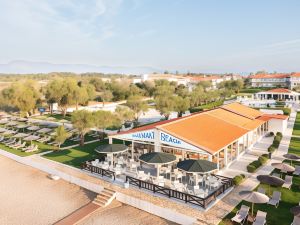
28,196
118,213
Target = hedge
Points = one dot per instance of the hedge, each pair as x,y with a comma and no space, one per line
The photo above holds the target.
238,179
207,106
263,159
271,149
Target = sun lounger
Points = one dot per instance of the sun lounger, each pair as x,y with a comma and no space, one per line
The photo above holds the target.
20,146
241,215
296,221
276,197
27,148
35,148
261,190
297,171
12,144
260,218
7,140
288,181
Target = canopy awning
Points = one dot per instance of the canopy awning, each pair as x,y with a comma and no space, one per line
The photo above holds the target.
157,158
111,148
197,166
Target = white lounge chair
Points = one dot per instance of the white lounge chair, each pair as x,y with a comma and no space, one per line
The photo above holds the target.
296,221
297,171
288,181
241,215
276,197
20,146
35,148
260,218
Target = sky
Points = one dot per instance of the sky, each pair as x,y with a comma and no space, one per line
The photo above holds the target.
183,35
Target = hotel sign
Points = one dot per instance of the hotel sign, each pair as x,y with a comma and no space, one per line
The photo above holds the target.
147,135
173,141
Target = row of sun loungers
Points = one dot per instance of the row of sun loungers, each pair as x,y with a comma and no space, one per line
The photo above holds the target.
14,144
242,214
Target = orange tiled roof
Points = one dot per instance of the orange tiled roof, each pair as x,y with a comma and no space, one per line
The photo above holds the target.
266,117
236,119
279,90
295,75
276,75
211,130
204,131
242,110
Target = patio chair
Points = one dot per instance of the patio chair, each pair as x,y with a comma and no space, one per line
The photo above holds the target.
241,215
261,190
288,181
12,144
260,218
297,171
276,197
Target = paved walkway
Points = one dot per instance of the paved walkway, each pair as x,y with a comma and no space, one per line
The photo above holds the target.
79,214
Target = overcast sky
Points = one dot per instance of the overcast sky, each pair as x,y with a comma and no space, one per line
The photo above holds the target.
194,35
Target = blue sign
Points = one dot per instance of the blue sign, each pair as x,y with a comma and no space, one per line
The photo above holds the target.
42,109
169,139
144,135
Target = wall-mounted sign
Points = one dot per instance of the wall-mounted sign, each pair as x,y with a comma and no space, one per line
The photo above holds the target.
147,135
41,109
173,141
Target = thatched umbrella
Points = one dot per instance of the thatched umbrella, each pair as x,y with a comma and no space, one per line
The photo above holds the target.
2,129
4,121
31,138
291,157
254,197
44,130
11,124
33,128
283,167
157,159
270,180
21,135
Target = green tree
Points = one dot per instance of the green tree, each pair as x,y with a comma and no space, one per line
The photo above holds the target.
83,121
22,95
137,105
106,96
60,135
104,119
181,105
165,104
124,114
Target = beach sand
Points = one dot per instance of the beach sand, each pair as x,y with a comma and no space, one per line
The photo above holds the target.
117,213
29,197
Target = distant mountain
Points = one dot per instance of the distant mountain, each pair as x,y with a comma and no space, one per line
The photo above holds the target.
24,67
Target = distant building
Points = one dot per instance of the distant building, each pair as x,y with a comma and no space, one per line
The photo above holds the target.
275,80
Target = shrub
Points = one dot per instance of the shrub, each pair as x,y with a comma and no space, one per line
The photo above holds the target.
279,134
286,111
251,168
237,180
263,159
276,143
271,149
271,134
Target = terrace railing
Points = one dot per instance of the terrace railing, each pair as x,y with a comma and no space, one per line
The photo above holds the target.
97,170
187,198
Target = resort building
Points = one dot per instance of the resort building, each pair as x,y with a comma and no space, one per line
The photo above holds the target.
270,80
280,94
220,135
275,80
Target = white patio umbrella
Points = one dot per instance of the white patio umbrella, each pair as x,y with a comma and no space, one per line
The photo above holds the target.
2,129
20,135
11,123
31,138
44,130
22,126
8,132
33,128
254,197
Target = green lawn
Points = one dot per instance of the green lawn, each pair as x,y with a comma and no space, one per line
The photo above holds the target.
290,198
296,130
57,116
42,148
75,156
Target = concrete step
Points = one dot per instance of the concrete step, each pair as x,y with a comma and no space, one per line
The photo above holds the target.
99,202
109,190
108,194
102,197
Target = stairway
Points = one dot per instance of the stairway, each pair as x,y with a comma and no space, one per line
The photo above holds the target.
105,197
